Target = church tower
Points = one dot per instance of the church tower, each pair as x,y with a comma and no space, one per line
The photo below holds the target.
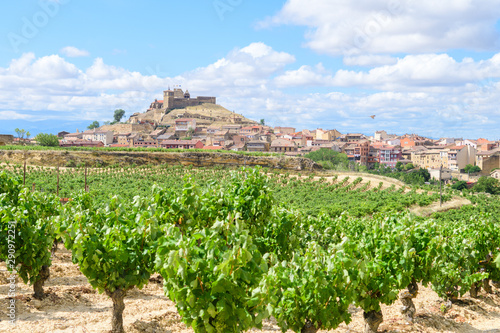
168,100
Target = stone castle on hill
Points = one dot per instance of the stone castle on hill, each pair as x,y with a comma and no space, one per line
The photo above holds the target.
178,99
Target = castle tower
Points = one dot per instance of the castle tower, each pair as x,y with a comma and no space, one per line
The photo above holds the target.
187,94
168,100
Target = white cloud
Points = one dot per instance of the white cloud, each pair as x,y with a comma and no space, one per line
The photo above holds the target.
13,115
73,52
304,76
423,72
369,60
341,27
52,83
418,92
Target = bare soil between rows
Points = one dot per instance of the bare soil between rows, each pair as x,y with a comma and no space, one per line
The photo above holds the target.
73,306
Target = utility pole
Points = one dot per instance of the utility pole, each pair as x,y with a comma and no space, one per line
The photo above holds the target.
86,190
24,172
57,181
440,186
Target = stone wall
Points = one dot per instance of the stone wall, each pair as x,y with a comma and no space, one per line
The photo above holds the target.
64,158
489,164
127,128
6,139
181,103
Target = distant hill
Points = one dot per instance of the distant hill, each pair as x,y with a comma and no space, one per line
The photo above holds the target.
205,114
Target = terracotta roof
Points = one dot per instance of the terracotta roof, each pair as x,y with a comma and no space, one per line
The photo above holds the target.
282,143
180,142
456,147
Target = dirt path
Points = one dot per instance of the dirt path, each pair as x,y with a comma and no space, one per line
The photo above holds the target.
73,306
455,203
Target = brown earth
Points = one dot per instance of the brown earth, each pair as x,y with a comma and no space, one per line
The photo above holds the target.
101,158
73,306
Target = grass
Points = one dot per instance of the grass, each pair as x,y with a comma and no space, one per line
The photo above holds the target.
140,149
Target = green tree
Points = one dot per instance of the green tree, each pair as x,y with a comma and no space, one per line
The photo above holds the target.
487,185
119,113
20,133
262,122
409,166
95,124
48,140
459,185
329,159
399,166
469,168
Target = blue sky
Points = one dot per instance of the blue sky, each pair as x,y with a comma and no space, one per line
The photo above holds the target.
420,67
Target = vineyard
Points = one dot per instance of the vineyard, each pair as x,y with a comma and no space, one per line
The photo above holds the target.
313,196
244,249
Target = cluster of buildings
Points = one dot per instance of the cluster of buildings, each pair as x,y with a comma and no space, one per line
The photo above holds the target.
453,154
231,132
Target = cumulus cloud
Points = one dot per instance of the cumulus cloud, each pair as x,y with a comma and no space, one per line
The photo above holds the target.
304,76
53,83
347,28
13,115
418,92
73,52
421,72
368,60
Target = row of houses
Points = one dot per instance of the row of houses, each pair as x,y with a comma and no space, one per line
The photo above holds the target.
385,149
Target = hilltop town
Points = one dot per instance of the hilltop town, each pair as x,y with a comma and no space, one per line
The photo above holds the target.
181,122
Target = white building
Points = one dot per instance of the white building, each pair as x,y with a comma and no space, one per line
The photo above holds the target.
445,174
380,136
105,137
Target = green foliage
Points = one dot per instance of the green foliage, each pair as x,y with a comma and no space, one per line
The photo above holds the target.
311,196
93,125
48,140
399,166
213,276
469,168
26,233
312,288
139,149
114,245
20,133
459,185
211,264
329,159
386,260
487,185
118,115
231,251
462,245
410,176
409,166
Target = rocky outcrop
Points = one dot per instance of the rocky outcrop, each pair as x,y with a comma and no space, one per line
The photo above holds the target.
66,158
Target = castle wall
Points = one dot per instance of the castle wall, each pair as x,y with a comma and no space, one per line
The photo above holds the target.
185,102
175,100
